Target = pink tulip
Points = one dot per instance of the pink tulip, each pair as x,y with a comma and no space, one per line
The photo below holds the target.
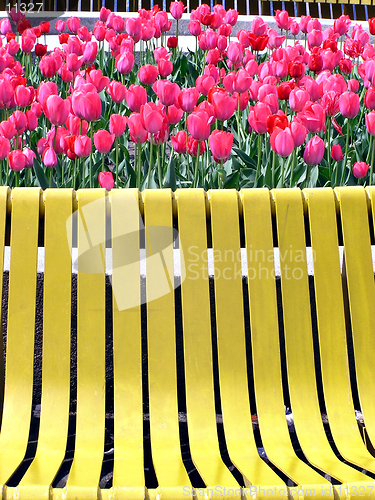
86,105
224,105
133,27
235,52
148,74
313,117
258,26
6,92
314,151
60,25
282,19
188,98
349,104
103,141
336,152
231,17
7,129
124,63
30,156
117,91
89,53
165,67
152,118
17,160
298,98
117,124
258,117
19,120
360,169
199,125
44,90
49,157
106,180
136,96
136,129
179,142
166,91
57,110
4,147
73,24
177,9
282,141
194,28
24,95
220,143
370,122
82,146
299,133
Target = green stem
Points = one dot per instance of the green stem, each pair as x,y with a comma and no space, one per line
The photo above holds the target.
50,177
92,143
273,168
195,183
139,166
346,152
328,126
283,172
372,162
160,176
74,173
150,165
292,170
103,165
257,175
116,146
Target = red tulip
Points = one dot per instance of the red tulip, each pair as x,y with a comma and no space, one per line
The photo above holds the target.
17,160
117,124
40,50
282,141
257,43
166,91
220,143
279,120
57,110
360,169
82,146
296,69
137,132
314,151
172,42
199,125
148,74
179,141
192,147
152,118
336,152
349,104
371,24
103,141
4,147
117,91
106,180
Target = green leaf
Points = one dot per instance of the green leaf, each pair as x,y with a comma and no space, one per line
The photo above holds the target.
232,180
249,162
170,175
41,176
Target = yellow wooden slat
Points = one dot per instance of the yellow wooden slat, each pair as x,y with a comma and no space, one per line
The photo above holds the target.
89,446
4,193
127,347
361,293
332,328
164,428
265,339
21,326
231,342
53,430
298,338
203,439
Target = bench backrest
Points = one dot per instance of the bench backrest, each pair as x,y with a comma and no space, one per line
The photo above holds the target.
247,344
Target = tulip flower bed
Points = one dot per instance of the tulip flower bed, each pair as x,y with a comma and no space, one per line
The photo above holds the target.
123,106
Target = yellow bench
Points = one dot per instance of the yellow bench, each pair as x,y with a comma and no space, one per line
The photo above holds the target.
247,354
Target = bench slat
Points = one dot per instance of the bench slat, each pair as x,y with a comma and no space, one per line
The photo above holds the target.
265,339
54,419
196,319
332,329
161,339
89,447
361,292
21,328
298,338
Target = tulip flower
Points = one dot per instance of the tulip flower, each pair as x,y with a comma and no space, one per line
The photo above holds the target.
17,160
117,91
152,118
282,141
166,91
220,143
4,147
6,92
199,125
82,146
195,148
336,152
106,180
57,110
137,132
117,124
314,151
177,9
103,141
179,142
360,169
188,98
148,74
224,105
349,104
86,105
49,157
